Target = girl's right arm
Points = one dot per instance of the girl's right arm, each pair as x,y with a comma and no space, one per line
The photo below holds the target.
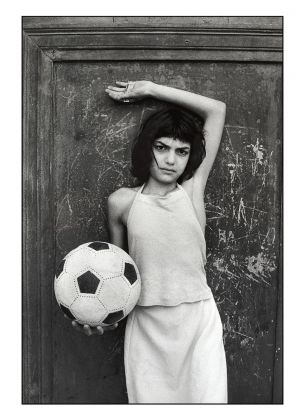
117,203
117,237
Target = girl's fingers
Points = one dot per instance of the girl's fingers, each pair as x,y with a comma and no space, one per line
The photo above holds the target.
122,83
87,330
76,326
115,88
100,330
115,92
118,96
111,327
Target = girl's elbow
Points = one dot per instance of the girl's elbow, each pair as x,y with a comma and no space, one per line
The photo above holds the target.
222,107
218,108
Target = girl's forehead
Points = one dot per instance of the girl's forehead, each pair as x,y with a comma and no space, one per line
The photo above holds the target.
169,141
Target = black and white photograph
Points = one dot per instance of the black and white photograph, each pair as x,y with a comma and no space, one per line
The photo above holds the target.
152,210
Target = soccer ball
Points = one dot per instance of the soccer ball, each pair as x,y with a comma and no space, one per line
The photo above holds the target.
97,284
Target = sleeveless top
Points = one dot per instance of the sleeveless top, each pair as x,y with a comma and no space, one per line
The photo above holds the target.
167,243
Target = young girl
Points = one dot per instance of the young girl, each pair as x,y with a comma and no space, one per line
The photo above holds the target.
173,350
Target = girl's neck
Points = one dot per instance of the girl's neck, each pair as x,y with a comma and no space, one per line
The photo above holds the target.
157,188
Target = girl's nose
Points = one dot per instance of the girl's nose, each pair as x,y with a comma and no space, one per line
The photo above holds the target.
170,157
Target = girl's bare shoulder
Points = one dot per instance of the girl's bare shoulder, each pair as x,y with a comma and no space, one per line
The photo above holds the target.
121,200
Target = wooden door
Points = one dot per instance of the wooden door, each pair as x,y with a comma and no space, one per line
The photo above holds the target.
76,152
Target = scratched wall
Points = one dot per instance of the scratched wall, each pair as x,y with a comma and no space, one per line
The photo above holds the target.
92,139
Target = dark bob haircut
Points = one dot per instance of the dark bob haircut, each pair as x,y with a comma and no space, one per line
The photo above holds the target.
175,123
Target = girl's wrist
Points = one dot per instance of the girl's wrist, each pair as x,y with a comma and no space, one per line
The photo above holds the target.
162,92
151,89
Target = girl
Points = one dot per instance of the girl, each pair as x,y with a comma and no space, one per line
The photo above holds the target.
173,350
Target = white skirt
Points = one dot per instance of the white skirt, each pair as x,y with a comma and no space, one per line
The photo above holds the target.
175,354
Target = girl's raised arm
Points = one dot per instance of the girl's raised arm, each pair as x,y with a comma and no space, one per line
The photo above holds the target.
210,110
213,114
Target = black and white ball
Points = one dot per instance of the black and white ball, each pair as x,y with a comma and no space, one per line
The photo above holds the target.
97,284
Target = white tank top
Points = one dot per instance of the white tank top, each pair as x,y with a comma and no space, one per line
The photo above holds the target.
167,243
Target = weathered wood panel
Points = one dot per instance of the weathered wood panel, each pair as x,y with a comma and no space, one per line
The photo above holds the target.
243,204
92,139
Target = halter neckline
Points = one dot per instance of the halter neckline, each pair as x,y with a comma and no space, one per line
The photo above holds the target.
179,188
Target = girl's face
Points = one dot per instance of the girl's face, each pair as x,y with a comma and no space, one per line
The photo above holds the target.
170,157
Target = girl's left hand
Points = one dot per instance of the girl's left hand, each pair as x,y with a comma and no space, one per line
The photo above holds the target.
129,92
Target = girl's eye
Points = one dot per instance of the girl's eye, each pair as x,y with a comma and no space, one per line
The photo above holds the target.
183,152
158,146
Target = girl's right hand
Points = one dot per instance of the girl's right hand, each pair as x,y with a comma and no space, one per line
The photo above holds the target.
87,330
129,92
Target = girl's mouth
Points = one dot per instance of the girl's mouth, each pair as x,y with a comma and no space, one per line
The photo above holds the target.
167,170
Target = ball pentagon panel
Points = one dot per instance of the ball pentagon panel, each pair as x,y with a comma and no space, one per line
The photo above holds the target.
67,312
60,268
130,272
113,317
88,282
98,246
